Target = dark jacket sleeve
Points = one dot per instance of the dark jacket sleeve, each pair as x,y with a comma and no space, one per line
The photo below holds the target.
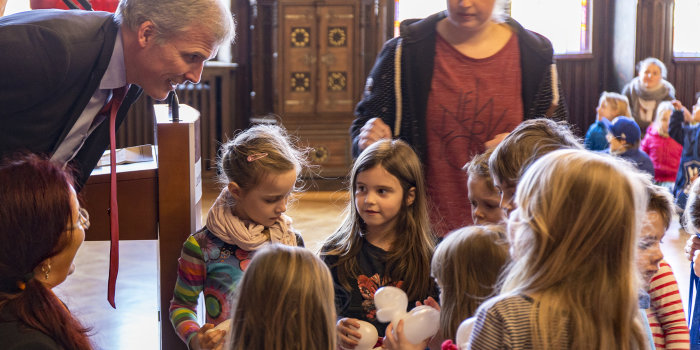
675,127
342,295
379,99
27,78
544,104
300,240
561,111
538,85
23,64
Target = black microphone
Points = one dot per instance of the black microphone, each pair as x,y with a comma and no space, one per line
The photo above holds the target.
174,107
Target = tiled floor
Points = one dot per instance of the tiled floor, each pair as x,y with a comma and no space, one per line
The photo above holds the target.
134,324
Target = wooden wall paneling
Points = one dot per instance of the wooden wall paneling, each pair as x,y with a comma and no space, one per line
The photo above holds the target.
318,80
241,55
691,94
684,74
337,59
665,7
329,149
655,39
298,52
690,80
690,74
623,44
578,83
179,204
376,27
583,77
375,20
686,80
654,30
215,97
685,88
263,33
389,17
368,24
137,195
138,126
692,98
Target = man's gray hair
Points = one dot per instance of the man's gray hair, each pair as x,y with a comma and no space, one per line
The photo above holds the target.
172,17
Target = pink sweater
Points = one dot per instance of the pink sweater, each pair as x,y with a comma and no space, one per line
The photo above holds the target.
666,316
665,154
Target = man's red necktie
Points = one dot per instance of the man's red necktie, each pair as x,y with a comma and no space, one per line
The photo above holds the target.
113,106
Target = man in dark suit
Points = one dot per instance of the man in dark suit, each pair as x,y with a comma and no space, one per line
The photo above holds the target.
58,70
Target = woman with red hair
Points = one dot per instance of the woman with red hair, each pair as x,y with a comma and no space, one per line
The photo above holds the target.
41,228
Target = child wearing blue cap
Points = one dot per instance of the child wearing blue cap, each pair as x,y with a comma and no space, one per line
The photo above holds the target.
624,137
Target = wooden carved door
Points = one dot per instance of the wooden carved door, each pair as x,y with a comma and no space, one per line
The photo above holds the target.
298,59
335,69
318,74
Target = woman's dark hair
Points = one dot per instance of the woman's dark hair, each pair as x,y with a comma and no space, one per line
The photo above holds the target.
34,215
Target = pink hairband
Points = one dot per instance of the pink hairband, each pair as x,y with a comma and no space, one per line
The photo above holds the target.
255,156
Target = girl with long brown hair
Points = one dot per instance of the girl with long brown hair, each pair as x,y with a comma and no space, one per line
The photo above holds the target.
385,239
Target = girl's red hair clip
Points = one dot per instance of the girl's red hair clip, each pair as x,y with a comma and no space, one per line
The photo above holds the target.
255,156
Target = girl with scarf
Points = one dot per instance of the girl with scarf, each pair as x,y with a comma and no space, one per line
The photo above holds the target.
646,90
260,167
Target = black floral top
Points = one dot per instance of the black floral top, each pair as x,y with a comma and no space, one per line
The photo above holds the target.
358,302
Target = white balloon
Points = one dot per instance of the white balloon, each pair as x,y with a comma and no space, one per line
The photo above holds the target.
391,304
422,322
386,315
369,336
464,332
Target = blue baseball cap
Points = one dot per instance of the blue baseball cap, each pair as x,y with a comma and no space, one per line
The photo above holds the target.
624,128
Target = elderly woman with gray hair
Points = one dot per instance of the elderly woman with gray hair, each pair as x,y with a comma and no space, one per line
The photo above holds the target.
647,90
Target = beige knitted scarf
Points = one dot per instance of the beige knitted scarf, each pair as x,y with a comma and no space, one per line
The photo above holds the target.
246,235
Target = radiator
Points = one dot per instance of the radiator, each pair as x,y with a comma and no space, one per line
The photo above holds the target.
213,97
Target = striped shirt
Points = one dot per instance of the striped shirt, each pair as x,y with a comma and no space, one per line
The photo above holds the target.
666,316
505,322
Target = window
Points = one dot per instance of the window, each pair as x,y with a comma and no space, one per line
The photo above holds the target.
685,28
405,9
569,30
14,6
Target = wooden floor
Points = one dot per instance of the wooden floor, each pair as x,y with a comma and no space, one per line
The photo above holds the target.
134,324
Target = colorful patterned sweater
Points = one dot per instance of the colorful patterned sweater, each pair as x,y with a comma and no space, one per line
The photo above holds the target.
209,265
666,316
